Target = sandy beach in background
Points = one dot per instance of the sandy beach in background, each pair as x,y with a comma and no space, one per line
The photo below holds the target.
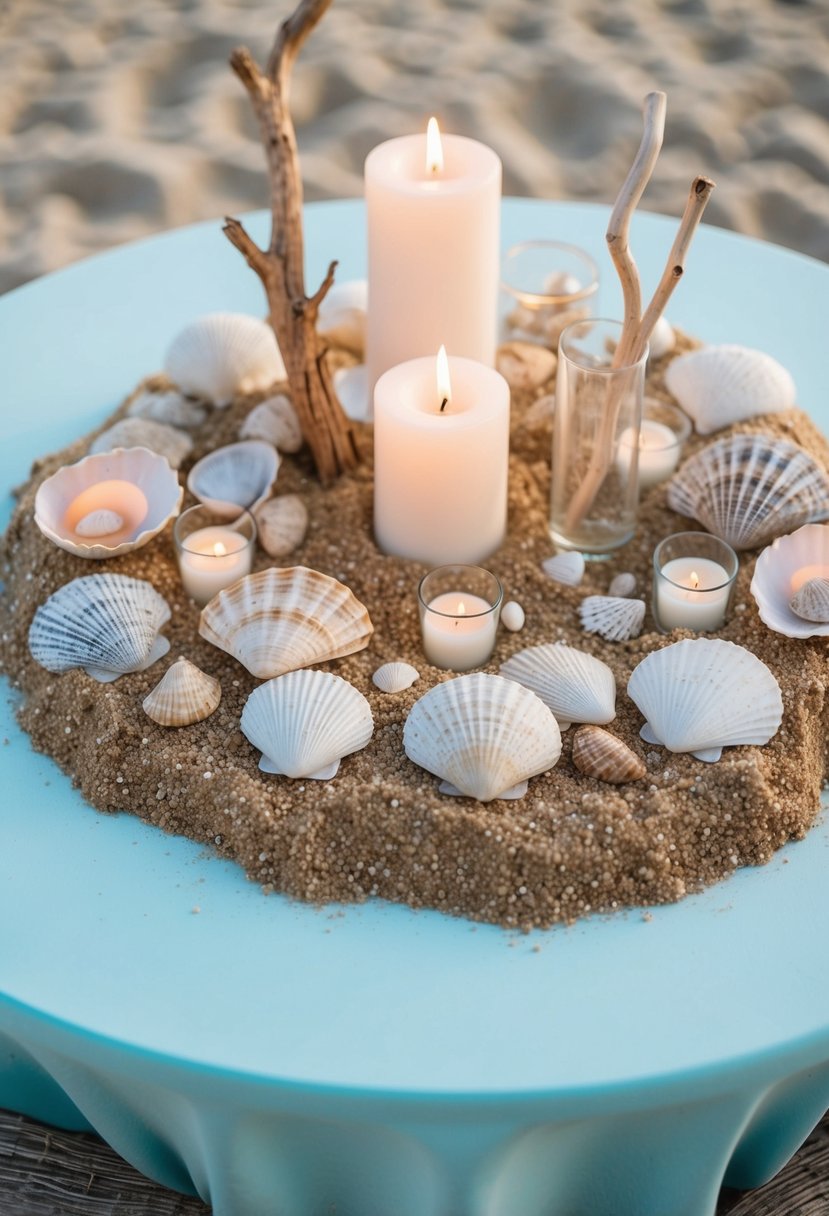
118,120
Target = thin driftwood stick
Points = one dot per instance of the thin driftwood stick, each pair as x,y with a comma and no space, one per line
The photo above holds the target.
291,313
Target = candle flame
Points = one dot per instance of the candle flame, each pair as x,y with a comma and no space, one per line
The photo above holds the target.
444,383
461,608
694,580
434,148
219,549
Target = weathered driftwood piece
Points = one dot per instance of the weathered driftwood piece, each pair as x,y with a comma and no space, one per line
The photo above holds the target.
292,314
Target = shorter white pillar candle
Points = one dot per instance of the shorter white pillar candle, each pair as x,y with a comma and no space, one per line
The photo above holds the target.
459,631
211,559
659,449
696,597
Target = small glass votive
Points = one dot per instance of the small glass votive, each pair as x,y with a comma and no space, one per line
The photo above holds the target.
693,582
213,551
459,610
545,286
662,434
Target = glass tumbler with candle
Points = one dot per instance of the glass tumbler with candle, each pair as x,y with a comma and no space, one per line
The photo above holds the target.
459,610
212,550
662,434
595,490
693,582
545,286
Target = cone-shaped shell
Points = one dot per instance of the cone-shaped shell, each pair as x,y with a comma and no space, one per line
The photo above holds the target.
597,753
237,475
342,315
615,618
185,694
575,686
168,406
168,442
779,576
567,568
224,354
305,722
703,694
395,677
747,489
275,421
483,735
720,385
105,623
280,620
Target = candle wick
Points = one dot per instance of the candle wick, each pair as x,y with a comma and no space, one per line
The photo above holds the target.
443,404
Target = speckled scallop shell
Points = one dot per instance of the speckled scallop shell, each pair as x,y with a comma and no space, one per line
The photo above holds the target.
703,694
222,355
237,475
281,524
173,445
720,385
280,620
575,686
613,617
747,489
185,694
276,422
782,570
567,568
168,406
483,735
106,624
341,319
108,504
305,722
395,677
597,753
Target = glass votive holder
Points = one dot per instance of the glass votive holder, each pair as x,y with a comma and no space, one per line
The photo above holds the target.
663,432
693,582
545,286
459,610
213,551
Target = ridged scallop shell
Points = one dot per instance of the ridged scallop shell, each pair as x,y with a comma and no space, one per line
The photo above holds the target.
281,524
341,319
395,677
811,602
614,617
237,475
622,586
275,421
305,722
105,623
575,686
779,575
747,489
483,735
703,694
567,568
168,406
224,354
134,485
157,437
597,753
720,385
279,620
185,694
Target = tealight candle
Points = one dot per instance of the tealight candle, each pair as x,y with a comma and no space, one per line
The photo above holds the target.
459,624
694,577
212,556
663,431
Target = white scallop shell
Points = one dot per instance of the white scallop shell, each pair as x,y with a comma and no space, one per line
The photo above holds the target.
275,421
281,619
351,387
703,694
222,355
305,722
614,617
395,677
623,585
721,385
747,489
105,623
567,568
281,524
184,694
778,574
513,617
132,483
237,475
341,319
662,340
169,406
811,602
173,445
575,686
483,735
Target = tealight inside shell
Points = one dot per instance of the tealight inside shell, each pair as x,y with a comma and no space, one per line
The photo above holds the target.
115,509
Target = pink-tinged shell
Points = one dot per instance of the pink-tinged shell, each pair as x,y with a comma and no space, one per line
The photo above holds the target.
782,570
597,753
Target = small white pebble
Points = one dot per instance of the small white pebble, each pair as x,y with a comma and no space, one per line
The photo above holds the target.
207,775
512,614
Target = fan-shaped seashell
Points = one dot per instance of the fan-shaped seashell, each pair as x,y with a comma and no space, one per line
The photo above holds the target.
173,445
276,422
222,355
512,615
168,406
105,623
567,568
614,617
623,585
811,602
281,524
597,753
703,694
351,387
662,340
305,722
185,694
238,475
282,619
525,365
575,686
483,735
341,319
721,385
781,572
77,507
747,489
395,677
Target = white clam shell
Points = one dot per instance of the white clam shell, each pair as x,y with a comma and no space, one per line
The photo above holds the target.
622,585
279,620
222,355
169,406
779,574
575,687
106,624
747,489
483,735
237,475
274,420
395,677
342,315
305,722
513,617
720,385
615,618
703,694
351,387
281,524
184,694
173,445
662,340
525,365
132,483
567,568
